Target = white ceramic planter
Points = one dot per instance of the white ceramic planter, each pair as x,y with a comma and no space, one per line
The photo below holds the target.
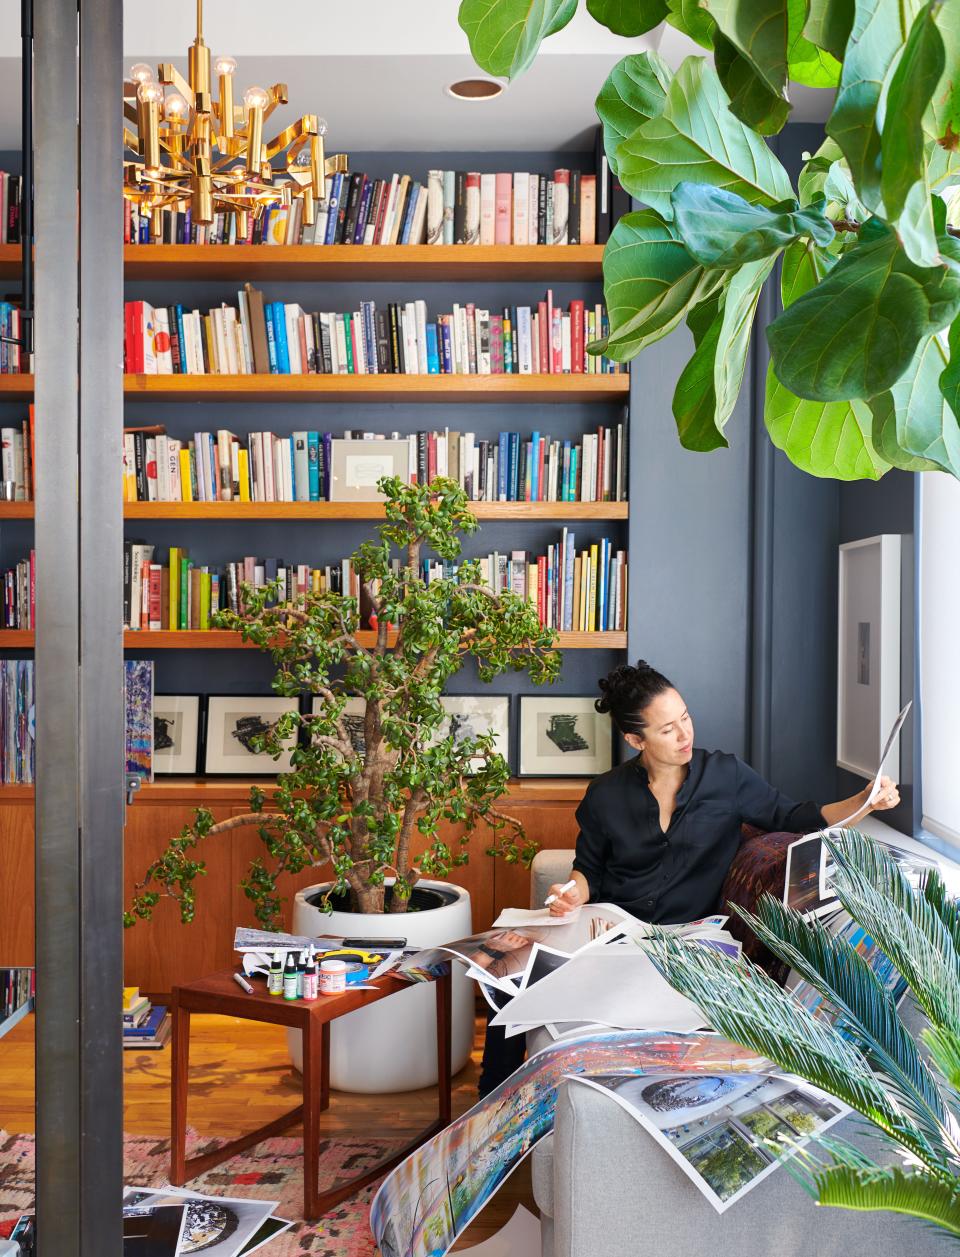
391,1046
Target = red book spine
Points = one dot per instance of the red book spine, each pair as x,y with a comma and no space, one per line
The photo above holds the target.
576,337
503,209
154,614
548,363
543,328
127,219
381,212
556,343
431,456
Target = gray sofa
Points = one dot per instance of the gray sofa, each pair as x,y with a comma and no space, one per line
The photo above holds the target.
604,1187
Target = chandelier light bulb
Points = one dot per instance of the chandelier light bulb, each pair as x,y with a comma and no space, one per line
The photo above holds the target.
141,72
256,98
321,126
175,108
150,93
225,66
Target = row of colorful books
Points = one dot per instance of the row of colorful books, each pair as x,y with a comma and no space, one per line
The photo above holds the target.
10,194
574,591
282,338
16,459
264,467
17,722
19,594
18,989
452,207
146,1026
13,359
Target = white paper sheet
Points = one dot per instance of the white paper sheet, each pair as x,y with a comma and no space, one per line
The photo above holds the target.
512,917
611,986
519,1238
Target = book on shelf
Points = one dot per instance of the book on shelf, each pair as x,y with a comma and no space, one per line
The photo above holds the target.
266,467
574,591
17,722
463,207
16,459
19,594
13,360
18,989
281,338
11,187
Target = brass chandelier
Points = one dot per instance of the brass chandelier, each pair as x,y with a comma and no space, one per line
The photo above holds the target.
210,154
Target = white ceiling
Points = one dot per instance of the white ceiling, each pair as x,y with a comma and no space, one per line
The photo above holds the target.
379,81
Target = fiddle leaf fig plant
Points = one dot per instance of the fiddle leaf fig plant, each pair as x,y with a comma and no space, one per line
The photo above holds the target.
365,807
866,352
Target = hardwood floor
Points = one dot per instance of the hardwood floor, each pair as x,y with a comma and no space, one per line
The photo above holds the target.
240,1078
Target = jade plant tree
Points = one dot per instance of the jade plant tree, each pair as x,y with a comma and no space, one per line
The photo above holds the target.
865,355
365,809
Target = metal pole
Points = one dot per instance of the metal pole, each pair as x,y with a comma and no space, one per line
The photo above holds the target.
763,472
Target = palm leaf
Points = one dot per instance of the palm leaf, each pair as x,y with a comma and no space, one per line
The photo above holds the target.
834,968
944,1048
743,1003
944,905
916,1192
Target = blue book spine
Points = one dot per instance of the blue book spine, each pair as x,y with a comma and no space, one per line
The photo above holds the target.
514,472
574,461
433,355
364,211
313,463
333,208
535,468
183,342
188,227
280,330
370,335
447,347
327,455
213,485
408,216
503,466
271,337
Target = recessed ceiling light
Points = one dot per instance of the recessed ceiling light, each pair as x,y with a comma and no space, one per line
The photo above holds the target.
475,89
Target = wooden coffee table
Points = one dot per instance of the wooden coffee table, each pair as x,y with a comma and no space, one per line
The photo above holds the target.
220,994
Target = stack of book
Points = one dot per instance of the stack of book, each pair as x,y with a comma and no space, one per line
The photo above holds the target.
146,1026
580,592
19,594
10,192
16,458
16,722
453,207
13,360
18,990
264,467
282,338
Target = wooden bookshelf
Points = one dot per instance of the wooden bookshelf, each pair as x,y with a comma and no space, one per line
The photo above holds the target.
16,639
329,263
224,639
235,512
16,388
16,510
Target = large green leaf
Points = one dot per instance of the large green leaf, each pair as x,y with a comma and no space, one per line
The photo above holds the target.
751,100
708,388
688,17
950,378
854,334
944,112
828,25
649,282
505,35
880,28
912,423
635,91
911,90
628,17
823,438
807,64
919,1194
721,229
758,30
696,137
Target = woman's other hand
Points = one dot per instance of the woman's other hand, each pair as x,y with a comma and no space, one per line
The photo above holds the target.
566,902
888,795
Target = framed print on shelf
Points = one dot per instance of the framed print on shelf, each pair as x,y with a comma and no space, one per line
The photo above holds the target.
563,737
176,733
233,721
868,651
470,715
357,466
353,717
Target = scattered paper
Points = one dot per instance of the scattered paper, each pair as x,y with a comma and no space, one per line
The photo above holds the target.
875,786
219,1226
519,1238
533,916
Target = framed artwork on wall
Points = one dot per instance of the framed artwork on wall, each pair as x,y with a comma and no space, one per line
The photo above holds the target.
470,715
233,722
353,716
868,651
563,737
356,466
176,733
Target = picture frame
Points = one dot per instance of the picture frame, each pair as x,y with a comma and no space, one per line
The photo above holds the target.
354,713
868,651
357,466
231,721
176,734
564,737
472,714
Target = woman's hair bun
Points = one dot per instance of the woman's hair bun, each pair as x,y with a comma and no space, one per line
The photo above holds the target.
627,691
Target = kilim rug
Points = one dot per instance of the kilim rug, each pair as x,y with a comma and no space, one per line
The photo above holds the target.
273,1170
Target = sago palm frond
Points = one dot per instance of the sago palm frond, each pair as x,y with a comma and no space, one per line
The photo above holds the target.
874,891
741,1002
834,968
944,905
914,1192
944,1048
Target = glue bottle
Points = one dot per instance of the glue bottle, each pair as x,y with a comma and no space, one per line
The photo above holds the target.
310,979
275,976
290,976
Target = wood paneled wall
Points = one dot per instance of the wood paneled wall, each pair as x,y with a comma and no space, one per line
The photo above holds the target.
162,952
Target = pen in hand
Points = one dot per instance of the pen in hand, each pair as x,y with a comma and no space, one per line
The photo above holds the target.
562,891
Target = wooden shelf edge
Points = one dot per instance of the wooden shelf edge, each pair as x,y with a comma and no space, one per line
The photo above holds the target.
223,639
229,512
